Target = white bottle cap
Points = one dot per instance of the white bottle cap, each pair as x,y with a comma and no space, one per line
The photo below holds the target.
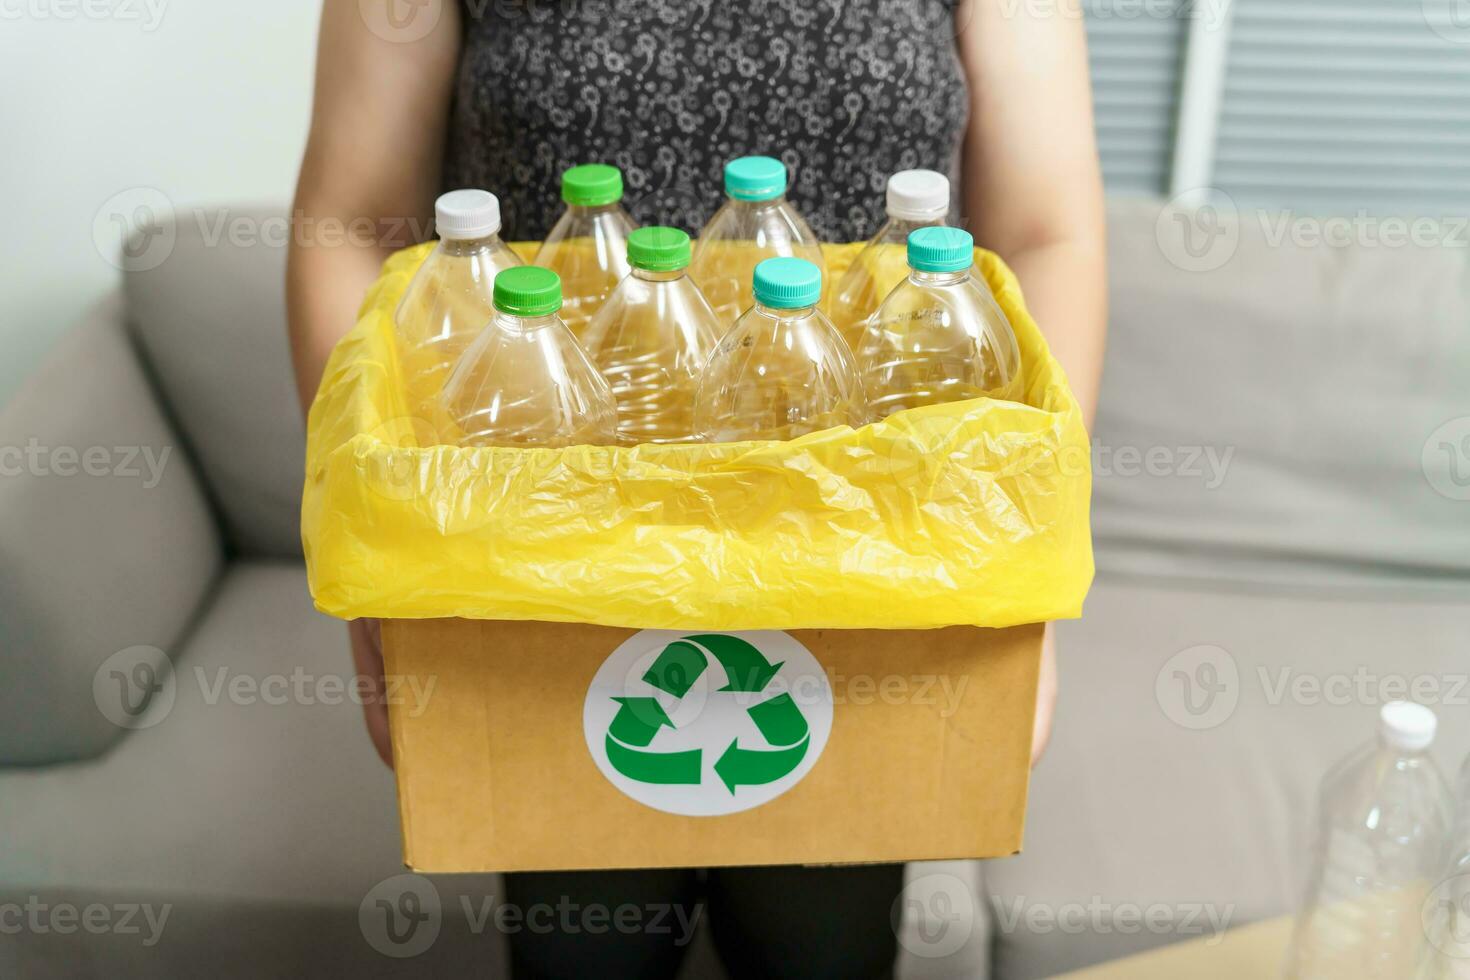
467,215
918,195
1406,726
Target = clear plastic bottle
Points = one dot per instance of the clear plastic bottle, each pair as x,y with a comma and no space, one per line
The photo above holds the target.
939,336
588,245
1384,819
524,381
652,338
1447,910
449,301
783,370
755,223
916,199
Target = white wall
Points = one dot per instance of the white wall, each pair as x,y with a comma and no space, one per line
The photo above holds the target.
206,101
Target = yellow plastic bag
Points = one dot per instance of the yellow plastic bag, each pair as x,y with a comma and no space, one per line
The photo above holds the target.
972,513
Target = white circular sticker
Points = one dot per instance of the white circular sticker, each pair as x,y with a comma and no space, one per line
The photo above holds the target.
703,724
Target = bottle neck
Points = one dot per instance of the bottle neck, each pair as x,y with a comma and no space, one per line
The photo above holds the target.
785,313
761,205
938,278
462,247
593,210
512,323
908,223
649,275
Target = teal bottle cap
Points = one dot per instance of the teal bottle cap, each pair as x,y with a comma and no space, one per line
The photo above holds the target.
528,290
658,249
787,283
592,185
940,249
755,178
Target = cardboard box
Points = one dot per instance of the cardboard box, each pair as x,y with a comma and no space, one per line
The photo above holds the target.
752,748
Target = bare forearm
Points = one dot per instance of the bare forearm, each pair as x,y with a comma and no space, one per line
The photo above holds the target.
1065,285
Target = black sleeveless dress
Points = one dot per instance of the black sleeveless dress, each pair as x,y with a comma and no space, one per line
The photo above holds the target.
845,92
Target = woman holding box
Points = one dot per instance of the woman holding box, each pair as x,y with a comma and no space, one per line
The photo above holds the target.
417,97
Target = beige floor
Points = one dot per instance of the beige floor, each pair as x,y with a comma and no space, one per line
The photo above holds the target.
1251,951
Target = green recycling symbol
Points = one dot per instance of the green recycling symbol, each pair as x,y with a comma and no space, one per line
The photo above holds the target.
635,727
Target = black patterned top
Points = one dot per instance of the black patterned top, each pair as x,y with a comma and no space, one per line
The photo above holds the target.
845,92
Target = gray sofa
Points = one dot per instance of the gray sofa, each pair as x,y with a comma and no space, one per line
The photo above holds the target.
1278,511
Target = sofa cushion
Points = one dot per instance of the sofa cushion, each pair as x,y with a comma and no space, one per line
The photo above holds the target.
262,818
1192,732
1279,411
107,545
211,320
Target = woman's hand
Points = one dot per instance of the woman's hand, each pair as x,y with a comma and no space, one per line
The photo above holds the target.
1046,695
366,638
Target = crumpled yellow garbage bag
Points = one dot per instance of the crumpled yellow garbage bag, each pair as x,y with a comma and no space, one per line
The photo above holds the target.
971,513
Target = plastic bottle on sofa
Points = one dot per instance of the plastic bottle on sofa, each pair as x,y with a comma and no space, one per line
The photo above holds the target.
652,338
939,336
755,223
588,245
524,381
783,370
916,199
449,300
1383,823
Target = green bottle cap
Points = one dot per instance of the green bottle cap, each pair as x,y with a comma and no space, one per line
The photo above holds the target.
528,290
755,178
592,185
658,249
787,283
941,249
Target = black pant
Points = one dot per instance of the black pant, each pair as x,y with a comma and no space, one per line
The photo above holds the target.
812,923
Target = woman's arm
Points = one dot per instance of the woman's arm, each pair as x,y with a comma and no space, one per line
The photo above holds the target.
370,172
367,182
1032,185
1033,193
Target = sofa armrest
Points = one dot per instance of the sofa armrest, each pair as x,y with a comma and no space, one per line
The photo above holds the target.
107,543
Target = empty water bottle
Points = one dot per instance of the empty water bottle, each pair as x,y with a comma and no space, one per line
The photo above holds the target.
783,370
652,338
755,223
588,245
1383,822
449,299
524,381
1447,910
916,199
939,336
